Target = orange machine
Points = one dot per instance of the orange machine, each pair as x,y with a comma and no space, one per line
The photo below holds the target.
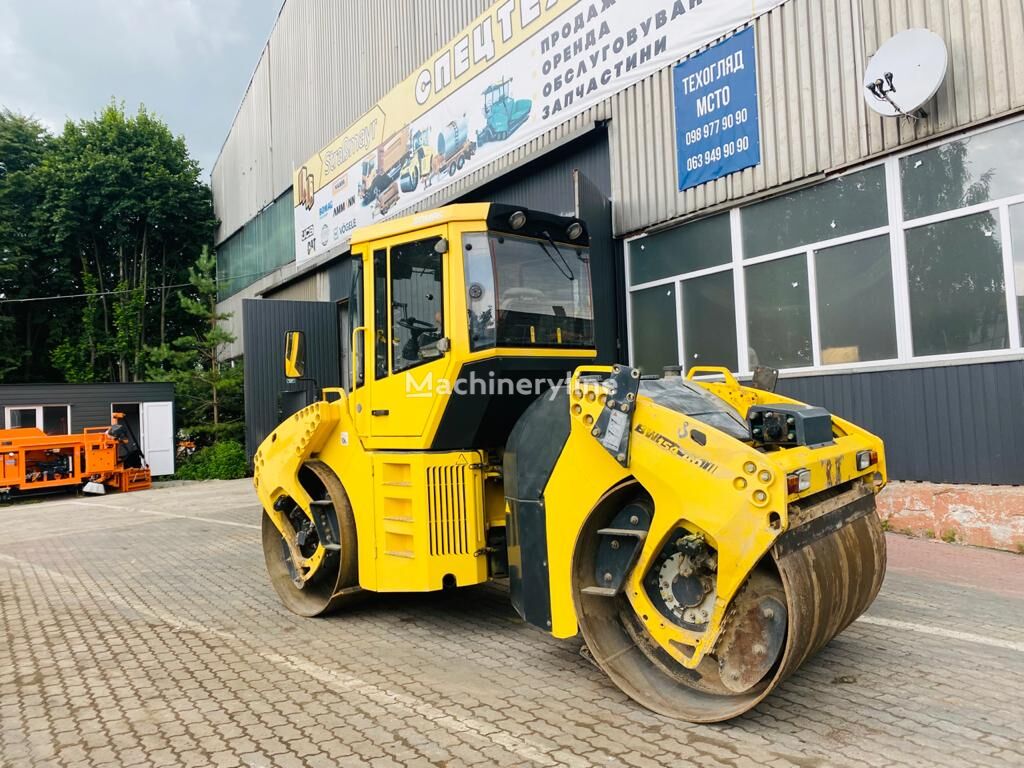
31,460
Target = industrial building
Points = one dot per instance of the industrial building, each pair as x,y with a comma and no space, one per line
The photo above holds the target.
878,261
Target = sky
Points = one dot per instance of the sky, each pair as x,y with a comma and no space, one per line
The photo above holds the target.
188,61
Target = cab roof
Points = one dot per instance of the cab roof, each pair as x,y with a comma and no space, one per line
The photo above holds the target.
413,222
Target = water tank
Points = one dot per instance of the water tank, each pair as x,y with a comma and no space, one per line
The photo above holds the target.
451,139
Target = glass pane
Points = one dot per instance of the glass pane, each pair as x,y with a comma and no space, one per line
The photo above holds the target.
416,303
779,313
23,418
480,302
957,292
356,320
55,420
970,170
709,321
843,206
261,246
380,314
543,293
655,343
856,318
1017,241
702,244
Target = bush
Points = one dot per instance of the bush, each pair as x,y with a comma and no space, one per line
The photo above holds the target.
208,434
221,461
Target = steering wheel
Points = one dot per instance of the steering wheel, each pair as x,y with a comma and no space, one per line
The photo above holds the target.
416,325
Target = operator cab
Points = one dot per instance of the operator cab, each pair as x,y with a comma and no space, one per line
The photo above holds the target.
461,317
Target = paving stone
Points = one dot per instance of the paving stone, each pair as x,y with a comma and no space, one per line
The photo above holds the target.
144,640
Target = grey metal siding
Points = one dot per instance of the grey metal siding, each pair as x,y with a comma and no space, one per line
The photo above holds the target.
326,63
339,280
952,424
546,184
90,403
265,322
811,56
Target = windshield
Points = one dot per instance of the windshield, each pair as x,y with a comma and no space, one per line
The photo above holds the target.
525,292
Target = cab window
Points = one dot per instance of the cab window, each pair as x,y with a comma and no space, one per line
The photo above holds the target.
356,320
417,311
380,313
524,292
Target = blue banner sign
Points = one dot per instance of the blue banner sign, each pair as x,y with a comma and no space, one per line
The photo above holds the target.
716,111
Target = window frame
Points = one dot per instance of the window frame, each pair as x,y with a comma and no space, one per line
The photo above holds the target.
39,414
442,295
896,229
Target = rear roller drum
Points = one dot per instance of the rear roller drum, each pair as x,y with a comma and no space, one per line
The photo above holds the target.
336,580
807,591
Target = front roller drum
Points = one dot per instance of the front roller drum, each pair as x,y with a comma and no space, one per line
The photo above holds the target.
336,581
821,576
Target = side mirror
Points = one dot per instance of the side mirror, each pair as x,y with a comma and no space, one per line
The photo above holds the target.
294,354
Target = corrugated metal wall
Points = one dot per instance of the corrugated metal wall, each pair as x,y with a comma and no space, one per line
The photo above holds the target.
953,424
811,58
326,63
265,323
317,76
547,185
242,177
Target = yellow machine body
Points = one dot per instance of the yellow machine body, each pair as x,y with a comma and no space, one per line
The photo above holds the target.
701,564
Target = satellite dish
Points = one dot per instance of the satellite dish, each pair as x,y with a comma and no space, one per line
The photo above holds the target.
905,73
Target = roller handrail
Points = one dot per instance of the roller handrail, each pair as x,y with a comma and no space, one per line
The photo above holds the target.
716,370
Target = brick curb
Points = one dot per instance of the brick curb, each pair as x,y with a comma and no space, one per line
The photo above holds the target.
981,515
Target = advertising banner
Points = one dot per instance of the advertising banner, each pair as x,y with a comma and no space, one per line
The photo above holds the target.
716,111
522,68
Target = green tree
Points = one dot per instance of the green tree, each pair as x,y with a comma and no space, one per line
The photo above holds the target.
28,267
208,390
124,211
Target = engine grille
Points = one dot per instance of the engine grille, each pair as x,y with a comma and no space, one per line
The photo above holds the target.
446,498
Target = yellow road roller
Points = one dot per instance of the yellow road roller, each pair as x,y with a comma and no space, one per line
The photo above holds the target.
704,537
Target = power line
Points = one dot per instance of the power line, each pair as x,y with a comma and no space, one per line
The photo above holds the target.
117,293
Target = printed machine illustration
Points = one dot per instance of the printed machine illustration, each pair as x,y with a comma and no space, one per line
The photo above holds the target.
503,113
706,538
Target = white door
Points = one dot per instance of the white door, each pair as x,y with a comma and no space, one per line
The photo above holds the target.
158,437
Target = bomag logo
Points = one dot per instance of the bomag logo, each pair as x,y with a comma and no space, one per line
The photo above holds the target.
674,448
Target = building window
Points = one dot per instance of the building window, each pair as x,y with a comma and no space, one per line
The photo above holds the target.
1017,239
856,316
52,419
655,339
967,171
709,321
914,257
957,289
779,314
700,245
843,206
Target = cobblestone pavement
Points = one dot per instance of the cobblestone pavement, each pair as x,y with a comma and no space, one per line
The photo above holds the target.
141,630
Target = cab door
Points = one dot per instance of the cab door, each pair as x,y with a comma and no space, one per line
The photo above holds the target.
360,322
409,338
